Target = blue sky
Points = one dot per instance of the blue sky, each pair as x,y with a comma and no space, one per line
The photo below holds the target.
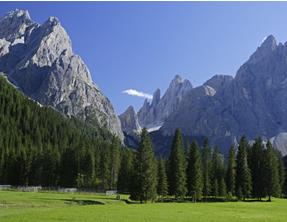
142,45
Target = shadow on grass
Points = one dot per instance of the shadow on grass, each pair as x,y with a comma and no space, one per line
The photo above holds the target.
83,202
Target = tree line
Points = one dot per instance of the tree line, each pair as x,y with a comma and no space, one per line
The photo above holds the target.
254,171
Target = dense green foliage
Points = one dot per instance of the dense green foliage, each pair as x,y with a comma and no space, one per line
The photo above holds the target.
231,172
177,167
206,153
40,146
145,168
243,177
194,172
162,183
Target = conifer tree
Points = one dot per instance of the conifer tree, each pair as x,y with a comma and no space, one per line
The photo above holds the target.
231,171
215,172
115,162
222,187
257,169
271,177
125,173
206,168
177,167
194,172
281,170
145,171
162,184
243,177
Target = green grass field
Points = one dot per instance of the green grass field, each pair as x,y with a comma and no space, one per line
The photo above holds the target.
28,206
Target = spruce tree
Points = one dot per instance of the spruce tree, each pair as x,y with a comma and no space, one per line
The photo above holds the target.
243,177
177,167
115,162
231,171
125,173
215,172
271,176
145,171
206,168
222,187
284,191
281,170
257,169
162,184
194,172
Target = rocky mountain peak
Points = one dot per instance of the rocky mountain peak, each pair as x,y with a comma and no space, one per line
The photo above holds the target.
156,97
18,14
269,42
154,114
178,82
268,45
53,21
130,109
129,121
177,79
218,81
14,25
42,64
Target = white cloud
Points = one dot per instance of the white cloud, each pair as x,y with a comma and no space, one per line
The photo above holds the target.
133,92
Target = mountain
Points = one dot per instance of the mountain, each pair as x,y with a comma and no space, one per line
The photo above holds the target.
130,127
129,121
39,60
251,104
153,115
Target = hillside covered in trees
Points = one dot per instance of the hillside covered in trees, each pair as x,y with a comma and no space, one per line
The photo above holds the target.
40,146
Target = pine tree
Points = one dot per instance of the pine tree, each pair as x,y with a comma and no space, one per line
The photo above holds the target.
215,172
125,173
177,167
194,172
285,181
145,171
206,168
105,169
281,170
257,169
222,187
243,177
231,171
162,185
115,162
271,177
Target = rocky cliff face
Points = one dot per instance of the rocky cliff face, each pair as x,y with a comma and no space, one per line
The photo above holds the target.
252,104
280,142
40,61
154,115
129,121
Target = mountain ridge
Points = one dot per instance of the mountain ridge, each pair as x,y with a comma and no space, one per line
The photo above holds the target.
39,59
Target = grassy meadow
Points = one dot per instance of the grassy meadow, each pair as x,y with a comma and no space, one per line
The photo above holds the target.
30,206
